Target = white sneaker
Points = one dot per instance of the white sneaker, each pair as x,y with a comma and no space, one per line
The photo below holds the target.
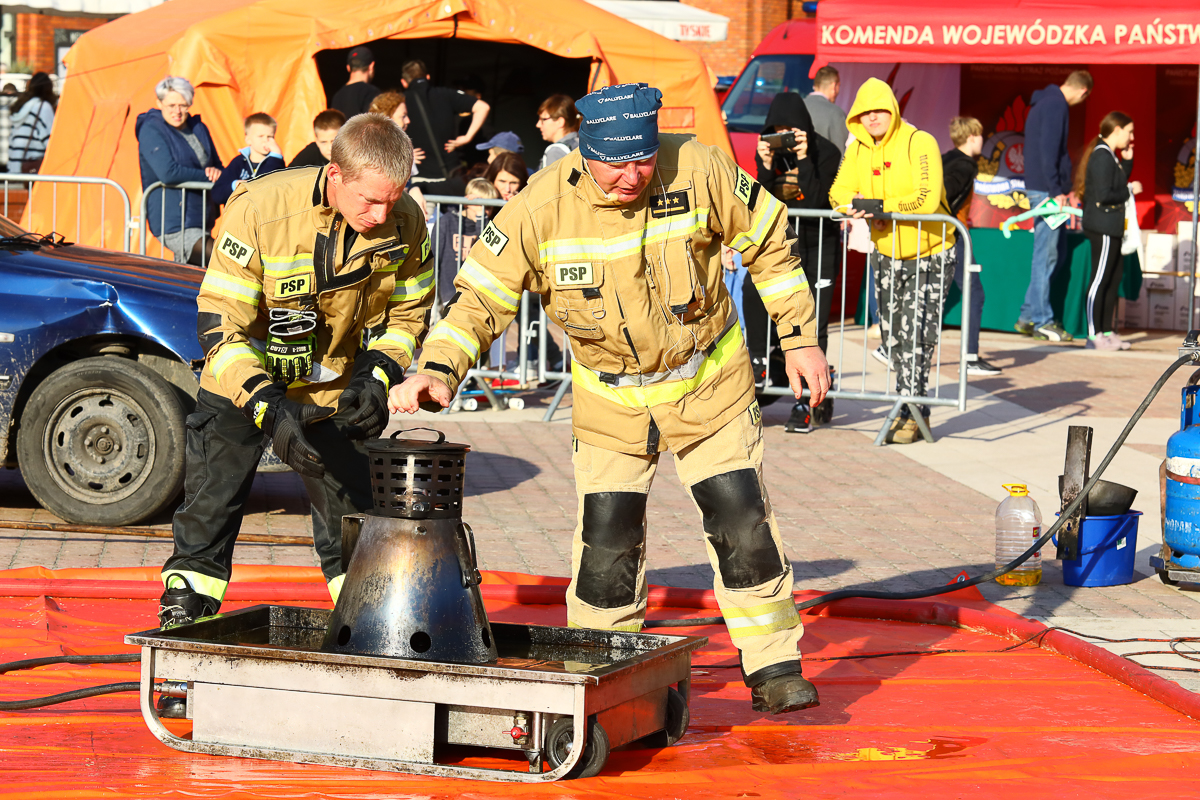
882,357
981,366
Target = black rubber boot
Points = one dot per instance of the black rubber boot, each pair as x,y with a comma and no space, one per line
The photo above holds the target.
781,688
183,606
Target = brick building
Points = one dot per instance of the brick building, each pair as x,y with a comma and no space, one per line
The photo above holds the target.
37,42
749,22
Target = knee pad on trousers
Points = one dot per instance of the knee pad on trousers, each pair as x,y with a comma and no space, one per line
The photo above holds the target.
614,535
735,519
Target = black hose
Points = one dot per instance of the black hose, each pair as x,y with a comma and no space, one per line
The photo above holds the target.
917,594
78,694
66,697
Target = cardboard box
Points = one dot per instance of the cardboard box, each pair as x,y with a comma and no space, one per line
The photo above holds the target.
1159,283
1162,311
1184,230
1135,314
1182,301
1160,253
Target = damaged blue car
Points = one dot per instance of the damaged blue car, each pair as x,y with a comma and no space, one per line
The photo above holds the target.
98,371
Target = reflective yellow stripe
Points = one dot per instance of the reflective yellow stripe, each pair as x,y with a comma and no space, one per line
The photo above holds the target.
229,354
287,266
759,225
397,339
335,587
413,288
781,286
392,266
597,249
489,284
667,391
465,341
633,627
758,620
231,287
201,584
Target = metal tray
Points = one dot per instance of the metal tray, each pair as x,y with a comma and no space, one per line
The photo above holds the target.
258,686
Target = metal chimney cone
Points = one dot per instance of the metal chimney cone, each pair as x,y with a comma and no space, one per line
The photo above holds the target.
412,584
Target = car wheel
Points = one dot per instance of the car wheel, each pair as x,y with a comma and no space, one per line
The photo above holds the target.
101,442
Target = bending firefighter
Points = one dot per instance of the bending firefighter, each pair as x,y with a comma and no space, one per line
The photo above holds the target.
309,312
622,239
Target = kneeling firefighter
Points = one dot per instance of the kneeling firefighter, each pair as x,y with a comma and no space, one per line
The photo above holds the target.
310,310
622,239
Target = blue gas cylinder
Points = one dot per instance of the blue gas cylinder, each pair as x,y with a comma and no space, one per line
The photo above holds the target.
1182,534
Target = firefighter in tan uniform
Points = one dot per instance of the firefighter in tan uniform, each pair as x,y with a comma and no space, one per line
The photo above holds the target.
622,239
311,308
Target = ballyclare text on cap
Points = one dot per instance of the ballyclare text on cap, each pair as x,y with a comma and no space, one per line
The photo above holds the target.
620,123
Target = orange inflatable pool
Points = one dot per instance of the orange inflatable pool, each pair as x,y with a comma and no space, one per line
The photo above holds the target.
1055,717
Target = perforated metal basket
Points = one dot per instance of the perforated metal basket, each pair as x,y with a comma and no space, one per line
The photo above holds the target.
416,479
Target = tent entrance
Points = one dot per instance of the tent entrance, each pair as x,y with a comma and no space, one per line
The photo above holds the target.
513,78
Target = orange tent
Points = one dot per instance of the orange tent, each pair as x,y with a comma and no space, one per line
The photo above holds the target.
245,56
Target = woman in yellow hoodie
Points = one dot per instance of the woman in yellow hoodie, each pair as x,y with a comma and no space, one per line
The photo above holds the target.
892,161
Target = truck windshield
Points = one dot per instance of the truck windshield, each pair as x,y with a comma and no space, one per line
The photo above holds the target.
764,77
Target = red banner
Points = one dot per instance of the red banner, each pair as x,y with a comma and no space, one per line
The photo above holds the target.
1010,32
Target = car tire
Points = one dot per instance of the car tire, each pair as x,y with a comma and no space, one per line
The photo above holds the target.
101,442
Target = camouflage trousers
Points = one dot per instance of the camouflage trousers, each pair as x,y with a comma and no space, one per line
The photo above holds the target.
912,294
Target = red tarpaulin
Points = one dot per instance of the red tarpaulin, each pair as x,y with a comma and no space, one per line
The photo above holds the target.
1010,32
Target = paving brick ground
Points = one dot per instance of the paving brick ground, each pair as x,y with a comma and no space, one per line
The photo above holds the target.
852,515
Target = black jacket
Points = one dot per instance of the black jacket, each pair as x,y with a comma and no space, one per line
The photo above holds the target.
1105,190
815,172
958,173
310,156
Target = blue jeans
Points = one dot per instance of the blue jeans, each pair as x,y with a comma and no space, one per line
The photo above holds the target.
1036,308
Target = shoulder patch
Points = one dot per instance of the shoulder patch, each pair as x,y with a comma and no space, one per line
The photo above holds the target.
493,239
235,249
743,185
425,250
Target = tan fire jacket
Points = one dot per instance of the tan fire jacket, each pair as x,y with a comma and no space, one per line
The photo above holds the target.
280,245
659,359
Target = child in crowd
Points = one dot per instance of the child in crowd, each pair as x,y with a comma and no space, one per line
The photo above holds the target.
325,127
456,233
258,157
959,168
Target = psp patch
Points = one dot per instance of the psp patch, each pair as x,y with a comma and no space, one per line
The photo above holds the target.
293,287
670,204
743,186
237,250
755,413
573,274
493,239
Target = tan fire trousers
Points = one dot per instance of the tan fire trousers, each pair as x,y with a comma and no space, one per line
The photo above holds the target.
761,618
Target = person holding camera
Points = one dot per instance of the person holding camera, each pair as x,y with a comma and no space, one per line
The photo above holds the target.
891,167
797,165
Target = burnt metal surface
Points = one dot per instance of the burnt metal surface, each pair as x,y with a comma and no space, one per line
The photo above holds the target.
1075,474
411,591
524,652
417,479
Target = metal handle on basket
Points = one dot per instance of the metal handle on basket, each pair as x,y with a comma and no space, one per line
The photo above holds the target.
464,547
440,440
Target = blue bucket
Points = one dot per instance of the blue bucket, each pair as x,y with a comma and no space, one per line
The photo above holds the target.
1107,546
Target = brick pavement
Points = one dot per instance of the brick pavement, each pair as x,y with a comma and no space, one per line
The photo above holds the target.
852,515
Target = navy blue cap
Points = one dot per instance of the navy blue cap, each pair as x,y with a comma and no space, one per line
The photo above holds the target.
506,139
620,123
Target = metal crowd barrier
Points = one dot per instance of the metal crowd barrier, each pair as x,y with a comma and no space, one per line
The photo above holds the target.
204,187
865,387
79,182
886,392
483,376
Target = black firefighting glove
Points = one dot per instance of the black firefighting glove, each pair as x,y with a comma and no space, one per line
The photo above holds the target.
366,395
284,421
